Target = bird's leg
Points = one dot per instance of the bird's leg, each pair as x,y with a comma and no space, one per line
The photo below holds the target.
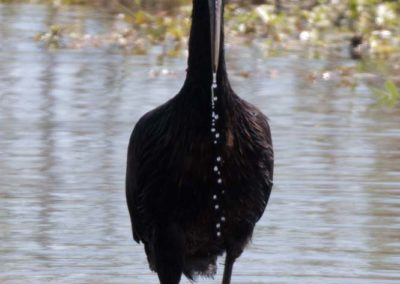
235,244
168,252
229,261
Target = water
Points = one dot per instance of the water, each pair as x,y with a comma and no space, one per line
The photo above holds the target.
65,120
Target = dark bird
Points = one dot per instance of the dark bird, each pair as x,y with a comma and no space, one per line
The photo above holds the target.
356,47
200,166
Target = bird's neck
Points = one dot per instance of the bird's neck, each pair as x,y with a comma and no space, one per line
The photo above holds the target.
199,61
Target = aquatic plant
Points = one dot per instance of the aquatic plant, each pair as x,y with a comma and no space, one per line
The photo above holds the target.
325,26
388,96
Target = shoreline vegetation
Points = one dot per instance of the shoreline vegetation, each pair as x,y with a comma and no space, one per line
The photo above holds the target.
354,28
345,29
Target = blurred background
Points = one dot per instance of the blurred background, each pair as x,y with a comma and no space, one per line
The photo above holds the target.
76,75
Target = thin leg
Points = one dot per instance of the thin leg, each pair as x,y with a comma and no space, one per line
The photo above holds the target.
168,250
235,244
229,261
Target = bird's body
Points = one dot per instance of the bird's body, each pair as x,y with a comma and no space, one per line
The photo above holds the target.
184,216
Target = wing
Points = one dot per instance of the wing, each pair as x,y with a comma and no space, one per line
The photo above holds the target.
266,145
267,163
258,145
131,183
133,192
144,176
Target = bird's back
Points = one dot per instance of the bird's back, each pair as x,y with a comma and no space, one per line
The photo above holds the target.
170,178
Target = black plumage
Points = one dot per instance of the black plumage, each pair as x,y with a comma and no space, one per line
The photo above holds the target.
170,183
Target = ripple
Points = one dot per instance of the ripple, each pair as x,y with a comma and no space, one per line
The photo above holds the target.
65,120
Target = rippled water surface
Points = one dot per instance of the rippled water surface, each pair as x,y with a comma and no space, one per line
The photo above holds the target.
65,120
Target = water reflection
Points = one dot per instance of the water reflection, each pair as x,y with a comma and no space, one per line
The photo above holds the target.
65,120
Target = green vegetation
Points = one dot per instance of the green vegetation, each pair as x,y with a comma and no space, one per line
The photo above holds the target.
358,29
389,96
320,25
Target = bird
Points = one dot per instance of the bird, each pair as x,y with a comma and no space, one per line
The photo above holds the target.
200,166
356,47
